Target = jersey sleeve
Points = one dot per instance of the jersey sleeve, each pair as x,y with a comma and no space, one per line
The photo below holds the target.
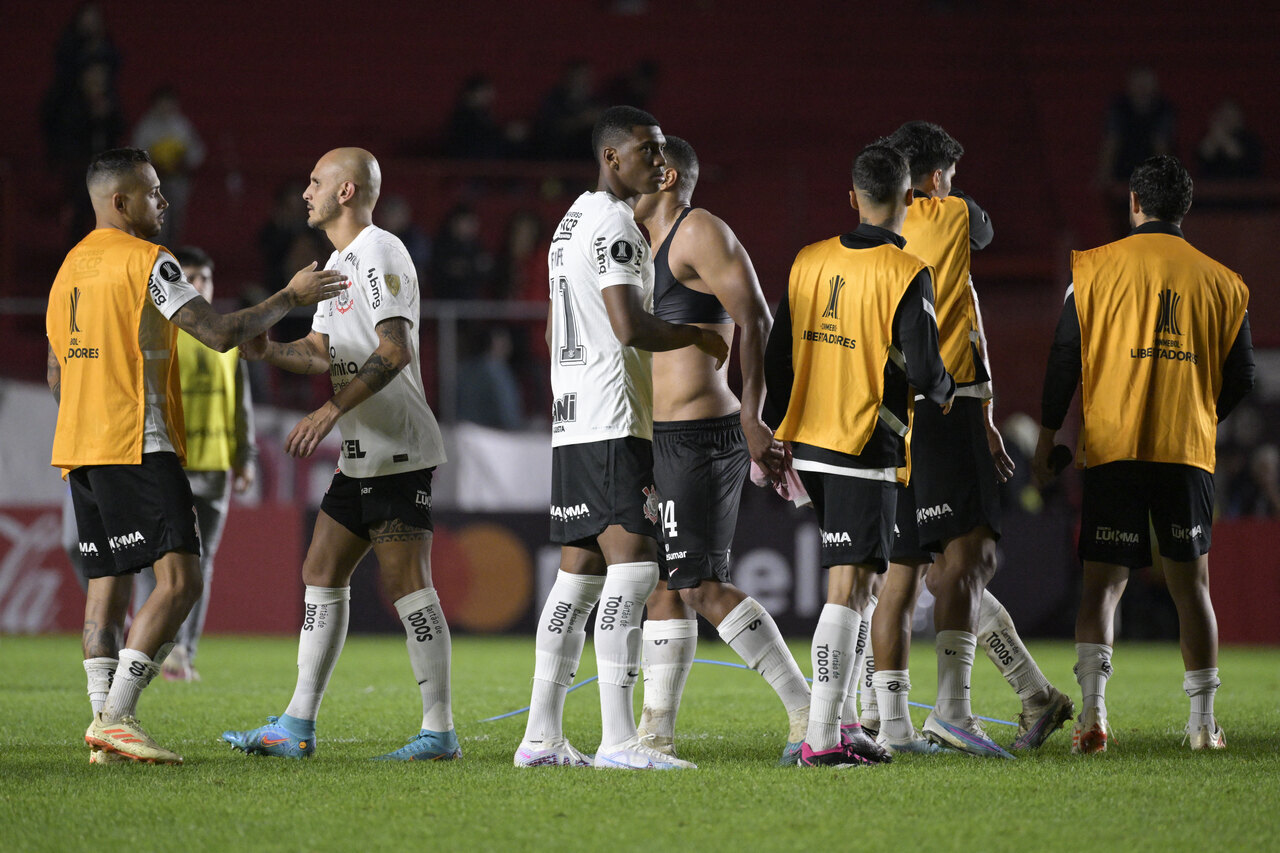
320,320
390,284
168,287
618,254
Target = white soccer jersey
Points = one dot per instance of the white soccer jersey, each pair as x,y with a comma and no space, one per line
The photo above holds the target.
394,430
601,389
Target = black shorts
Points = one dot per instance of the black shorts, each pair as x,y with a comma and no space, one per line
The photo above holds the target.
699,467
855,517
361,503
1120,497
906,535
601,483
131,515
952,472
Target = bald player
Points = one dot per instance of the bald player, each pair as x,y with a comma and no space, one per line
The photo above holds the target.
380,497
112,367
704,439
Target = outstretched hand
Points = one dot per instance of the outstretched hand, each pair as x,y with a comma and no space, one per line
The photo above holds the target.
310,285
767,452
1004,463
306,436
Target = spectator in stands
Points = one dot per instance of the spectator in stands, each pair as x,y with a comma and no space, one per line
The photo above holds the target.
396,216
84,42
562,130
176,151
634,86
488,393
1140,124
461,267
1229,148
522,267
474,133
79,124
277,238
1255,491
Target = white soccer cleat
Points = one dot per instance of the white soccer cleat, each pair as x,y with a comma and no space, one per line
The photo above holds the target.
1203,738
636,755
665,745
1091,732
550,753
916,742
965,736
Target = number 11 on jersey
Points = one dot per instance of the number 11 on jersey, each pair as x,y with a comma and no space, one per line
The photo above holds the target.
572,352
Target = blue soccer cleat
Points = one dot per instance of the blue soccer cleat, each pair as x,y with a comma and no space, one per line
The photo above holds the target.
271,739
791,754
967,737
427,746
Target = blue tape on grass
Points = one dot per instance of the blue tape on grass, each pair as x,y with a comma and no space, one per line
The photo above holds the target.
518,711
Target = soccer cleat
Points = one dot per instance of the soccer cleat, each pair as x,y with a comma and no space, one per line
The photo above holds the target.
636,755
790,754
1038,721
870,722
126,737
967,737
1091,732
840,756
1202,738
101,756
427,746
863,745
917,743
551,753
177,666
271,739
662,744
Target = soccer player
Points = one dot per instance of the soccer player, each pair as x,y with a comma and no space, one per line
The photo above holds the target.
703,442
380,496
218,413
1158,335
857,326
604,507
957,463
112,320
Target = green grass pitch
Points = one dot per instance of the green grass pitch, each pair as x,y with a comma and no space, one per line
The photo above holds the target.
1149,792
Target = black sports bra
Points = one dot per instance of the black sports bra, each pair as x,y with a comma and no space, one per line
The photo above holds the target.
674,302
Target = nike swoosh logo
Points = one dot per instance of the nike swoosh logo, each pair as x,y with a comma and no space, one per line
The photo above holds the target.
272,741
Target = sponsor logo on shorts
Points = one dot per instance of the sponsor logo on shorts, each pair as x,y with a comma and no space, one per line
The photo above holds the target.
836,537
127,540
1187,534
652,505
677,555
87,548
932,513
1117,537
366,490
570,513
422,499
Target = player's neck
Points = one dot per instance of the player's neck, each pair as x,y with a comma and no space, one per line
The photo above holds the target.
346,229
659,221
608,183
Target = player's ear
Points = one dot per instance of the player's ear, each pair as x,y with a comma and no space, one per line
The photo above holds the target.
853,199
909,197
1134,207
347,191
935,181
610,156
670,177
118,202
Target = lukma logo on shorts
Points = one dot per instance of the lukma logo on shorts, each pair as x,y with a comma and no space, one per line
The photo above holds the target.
836,537
126,540
569,513
1187,534
1118,537
930,513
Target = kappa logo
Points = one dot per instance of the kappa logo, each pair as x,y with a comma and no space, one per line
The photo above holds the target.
838,537
570,513
126,540
622,251
1167,316
930,513
837,284
652,505
1119,537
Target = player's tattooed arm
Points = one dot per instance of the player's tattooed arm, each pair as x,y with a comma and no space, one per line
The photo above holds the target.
382,366
53,375
305,355
223,331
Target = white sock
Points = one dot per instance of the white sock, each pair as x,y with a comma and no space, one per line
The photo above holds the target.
832,658
562,631
669,648
999,639
955,664
618,641
750,631
99,672
326,611
1200,685
867,690
849,715
1093,668
892,688
133,673
430,650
